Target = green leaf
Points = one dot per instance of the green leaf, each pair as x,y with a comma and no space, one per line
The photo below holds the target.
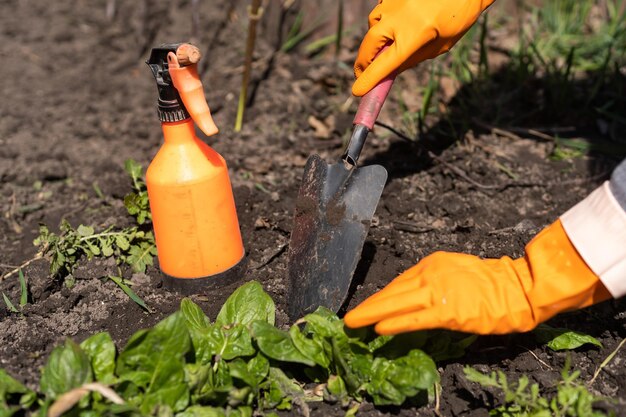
202,411
101,351
107,250
140,256
483,379
394,381
153,361
13,395
317,349
246,304
280,390
252,372
277,344
232,341
210,384
68,367
193,314
324,323
229,342
563,339
122,242
85,231
23,289
336,391
167,386
133,168
9,304
146,349
129,292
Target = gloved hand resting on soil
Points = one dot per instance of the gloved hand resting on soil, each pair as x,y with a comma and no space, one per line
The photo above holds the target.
417,29
577,261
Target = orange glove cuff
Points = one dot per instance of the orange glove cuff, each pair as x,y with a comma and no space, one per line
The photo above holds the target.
555,277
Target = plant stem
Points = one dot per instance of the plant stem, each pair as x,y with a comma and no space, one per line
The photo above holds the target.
606,361
104,234
339,27
254,14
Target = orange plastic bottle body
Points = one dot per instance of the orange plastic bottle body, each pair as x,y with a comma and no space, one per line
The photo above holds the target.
193,209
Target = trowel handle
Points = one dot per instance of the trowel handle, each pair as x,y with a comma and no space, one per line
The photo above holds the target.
373,101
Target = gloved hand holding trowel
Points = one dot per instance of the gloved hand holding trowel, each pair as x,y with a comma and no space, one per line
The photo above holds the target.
577,261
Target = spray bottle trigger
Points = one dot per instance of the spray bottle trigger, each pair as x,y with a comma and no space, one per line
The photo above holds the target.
187,81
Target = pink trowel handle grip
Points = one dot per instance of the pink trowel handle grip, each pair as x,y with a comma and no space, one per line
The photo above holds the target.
373,101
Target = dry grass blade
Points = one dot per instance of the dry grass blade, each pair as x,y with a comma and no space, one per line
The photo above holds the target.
68,400
606,362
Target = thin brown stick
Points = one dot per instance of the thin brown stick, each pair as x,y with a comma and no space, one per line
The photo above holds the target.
537,357
459,172
38,255
606,361
271,257
492,187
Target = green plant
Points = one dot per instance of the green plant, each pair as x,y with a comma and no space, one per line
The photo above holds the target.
130,246
254,14
238,365
125,286
23,295
136,202
523,399
563,339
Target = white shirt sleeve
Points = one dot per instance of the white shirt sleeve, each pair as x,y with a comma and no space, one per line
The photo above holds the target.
597,228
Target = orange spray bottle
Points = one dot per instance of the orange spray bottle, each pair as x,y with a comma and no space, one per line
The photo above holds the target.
193,209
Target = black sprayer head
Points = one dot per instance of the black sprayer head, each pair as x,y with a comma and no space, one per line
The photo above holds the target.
171,108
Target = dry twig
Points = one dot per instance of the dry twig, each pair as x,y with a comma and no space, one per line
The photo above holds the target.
606,361
493,187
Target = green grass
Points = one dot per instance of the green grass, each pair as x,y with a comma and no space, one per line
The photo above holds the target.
23,295
564,66
525,399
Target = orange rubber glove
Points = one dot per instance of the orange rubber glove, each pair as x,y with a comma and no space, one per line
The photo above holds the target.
491,296
419,30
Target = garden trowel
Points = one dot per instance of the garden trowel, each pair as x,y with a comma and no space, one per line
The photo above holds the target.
335,206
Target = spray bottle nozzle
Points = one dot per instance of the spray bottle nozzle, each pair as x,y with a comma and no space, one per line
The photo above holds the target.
181,95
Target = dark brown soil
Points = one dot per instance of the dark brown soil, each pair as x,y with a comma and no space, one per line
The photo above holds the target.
78,101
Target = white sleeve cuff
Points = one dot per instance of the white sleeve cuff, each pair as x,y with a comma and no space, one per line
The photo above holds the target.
597,228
